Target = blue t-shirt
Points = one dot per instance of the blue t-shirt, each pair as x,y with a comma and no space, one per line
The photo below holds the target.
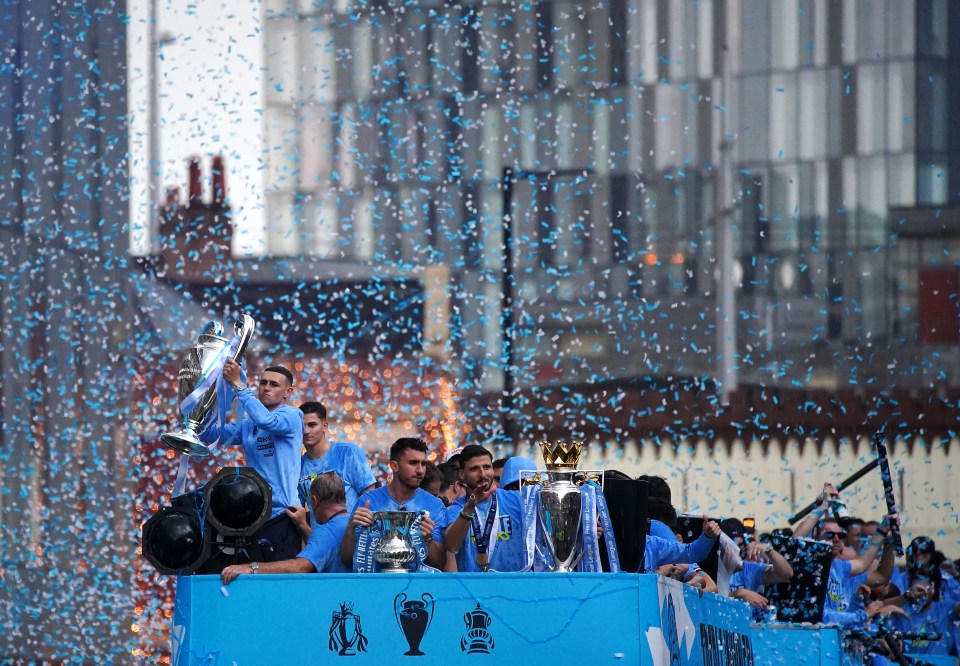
272,442
506,549
750,577
837,599
381,500
323,547
347,461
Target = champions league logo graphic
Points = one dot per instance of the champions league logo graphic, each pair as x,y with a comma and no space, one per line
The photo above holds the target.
414,617
477,640
346,634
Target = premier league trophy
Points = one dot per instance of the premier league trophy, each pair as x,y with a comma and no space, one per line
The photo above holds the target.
200,369
561,508
395,551
560,503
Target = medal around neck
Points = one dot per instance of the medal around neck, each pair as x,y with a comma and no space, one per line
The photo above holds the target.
200,373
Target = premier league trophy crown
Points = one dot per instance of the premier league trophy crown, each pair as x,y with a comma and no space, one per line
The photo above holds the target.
200,368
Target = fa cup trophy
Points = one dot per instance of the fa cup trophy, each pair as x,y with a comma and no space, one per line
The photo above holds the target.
395,551
199,368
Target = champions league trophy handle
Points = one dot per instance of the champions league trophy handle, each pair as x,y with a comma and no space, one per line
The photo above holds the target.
201,368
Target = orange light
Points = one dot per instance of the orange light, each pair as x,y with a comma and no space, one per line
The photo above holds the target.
677,258
650,259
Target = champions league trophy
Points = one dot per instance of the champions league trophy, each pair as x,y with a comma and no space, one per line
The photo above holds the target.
395,550
201,367
567,503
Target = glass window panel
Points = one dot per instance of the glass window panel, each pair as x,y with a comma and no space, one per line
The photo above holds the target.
872,196
414,53
347,153
932,101
490,150
813,114
783,117
901,118
668,123
872,30
523,64
785,36
316,137
836,90
901,37
491,227
319,58
282,150
755,115
324,239
528,135
933,28
704,46
283,231
642,54
902,180
363,237
820,33
680,17
445,53
600,116
755,44
570,45
783,195
931,180
849,200
848,49
871,107
282,62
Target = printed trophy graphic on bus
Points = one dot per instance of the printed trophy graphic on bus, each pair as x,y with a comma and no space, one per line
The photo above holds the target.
346,636
414,617
200,369
395,551
477,640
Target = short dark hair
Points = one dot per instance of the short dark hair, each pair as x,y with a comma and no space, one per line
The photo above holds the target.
450,473
327,488
279,369
658,486
405,443
431,475
471,451
499,463
314,407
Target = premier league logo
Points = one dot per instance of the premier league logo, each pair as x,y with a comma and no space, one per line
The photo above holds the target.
346,635
477,640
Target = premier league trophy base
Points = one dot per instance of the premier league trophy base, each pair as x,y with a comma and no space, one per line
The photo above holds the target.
473,618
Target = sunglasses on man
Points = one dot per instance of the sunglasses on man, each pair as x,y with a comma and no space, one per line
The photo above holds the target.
835,535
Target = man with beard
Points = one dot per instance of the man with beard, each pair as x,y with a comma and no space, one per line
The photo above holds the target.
482,528
408,462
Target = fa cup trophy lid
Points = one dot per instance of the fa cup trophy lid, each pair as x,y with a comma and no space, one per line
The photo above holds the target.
561,456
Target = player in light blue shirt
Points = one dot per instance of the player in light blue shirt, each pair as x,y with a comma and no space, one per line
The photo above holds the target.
272,439
322,552
345,460
408,462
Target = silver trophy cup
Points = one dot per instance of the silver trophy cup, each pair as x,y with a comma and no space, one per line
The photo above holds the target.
395,551
559,518
196,362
